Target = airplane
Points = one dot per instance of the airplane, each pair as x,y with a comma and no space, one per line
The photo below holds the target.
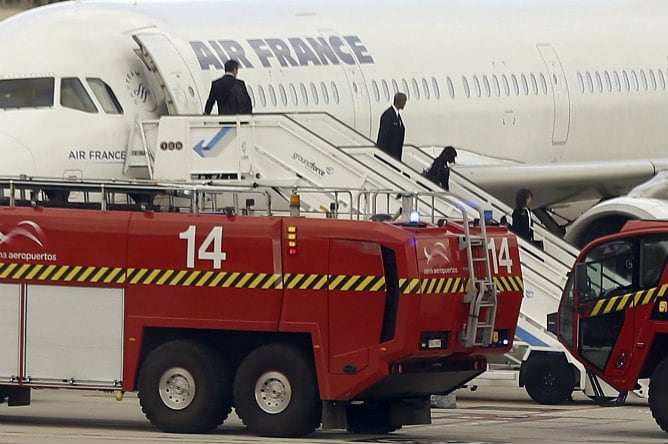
566,97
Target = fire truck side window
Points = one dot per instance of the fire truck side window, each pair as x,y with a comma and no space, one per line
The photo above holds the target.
652,260
609,268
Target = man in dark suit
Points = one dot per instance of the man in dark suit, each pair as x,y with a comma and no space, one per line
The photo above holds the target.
229,93
391,131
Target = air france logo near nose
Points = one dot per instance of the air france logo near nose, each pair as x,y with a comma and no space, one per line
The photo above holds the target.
26,229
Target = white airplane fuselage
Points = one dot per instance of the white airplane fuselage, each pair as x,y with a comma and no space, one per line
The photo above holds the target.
531,82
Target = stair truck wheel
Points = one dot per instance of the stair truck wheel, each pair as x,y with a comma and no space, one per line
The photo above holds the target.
658,394
549,379
276,392
184,387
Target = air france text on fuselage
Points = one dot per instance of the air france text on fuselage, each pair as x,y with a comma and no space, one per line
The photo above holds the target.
284,52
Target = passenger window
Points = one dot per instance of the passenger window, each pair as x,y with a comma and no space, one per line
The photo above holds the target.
618,83
407,90
608,82
284,96
302,88
251,94
581,82
395,86
652,79
534,84
485,84
376,91
451,87
272,96
26,93
590,82
335,92
437,90
105,96
643,79
476,86
293,94
416,89
543,83
627,85
634,80
599,82
506,85
496,86
425,88
314,92
386,91
73,95
662,79
516,86
263,98
325,94
525,85
467,90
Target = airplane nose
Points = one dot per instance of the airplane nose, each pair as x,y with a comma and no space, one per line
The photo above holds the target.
16,157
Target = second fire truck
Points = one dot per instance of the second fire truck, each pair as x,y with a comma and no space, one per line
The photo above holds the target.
295,322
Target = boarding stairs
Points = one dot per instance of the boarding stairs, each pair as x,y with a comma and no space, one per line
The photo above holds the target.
316,149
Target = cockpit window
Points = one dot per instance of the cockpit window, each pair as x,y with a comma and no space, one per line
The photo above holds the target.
105,95
73,95
26,93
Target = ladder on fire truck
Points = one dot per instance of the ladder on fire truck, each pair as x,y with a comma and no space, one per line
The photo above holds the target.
315,149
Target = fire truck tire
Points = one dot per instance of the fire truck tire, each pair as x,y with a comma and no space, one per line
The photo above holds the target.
276,392
549,379
184,387
658,394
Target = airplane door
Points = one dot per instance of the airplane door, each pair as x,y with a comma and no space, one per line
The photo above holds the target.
176,80
562,106
356,82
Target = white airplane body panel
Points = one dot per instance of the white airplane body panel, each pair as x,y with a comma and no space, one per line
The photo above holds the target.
567,82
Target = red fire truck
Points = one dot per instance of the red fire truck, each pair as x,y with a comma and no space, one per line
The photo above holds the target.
613,314
293,321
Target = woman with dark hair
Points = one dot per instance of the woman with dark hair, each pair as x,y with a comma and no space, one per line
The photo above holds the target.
439,171
522,223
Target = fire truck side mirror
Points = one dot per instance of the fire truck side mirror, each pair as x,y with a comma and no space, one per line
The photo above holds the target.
581,280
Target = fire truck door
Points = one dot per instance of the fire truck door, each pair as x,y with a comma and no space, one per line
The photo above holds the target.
356,303
605,329
10,313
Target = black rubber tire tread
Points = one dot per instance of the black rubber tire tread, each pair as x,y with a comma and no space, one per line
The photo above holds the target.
549,379
213,387
658,394
303,414
369,420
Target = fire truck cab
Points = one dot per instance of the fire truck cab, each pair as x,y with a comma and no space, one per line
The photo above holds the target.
613,315
293,321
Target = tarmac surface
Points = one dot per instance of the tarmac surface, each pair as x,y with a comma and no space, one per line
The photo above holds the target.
489,415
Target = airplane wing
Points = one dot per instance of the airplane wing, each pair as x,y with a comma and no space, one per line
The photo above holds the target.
553,184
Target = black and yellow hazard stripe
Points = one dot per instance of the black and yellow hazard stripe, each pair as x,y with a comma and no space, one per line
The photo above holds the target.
627,300
443,285
509,283
226,279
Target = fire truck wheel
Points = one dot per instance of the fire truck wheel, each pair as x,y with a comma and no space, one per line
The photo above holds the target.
549,379
184,387
658,394
276,392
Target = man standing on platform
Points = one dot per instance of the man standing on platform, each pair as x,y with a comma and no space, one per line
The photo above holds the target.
229,93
